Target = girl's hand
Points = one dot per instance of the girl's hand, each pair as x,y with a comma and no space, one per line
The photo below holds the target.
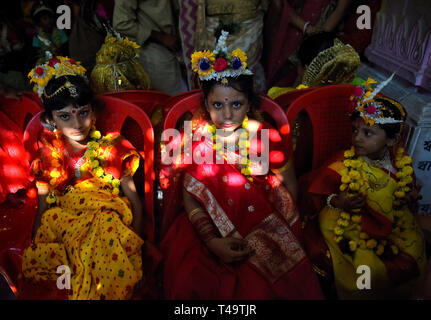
343,201
230,249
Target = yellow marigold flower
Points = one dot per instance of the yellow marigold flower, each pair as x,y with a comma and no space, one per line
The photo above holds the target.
406,189
399,194
347,163
90,154
400,151
408,179
212,129
53,181
371,244
356,218
356,163
239,54
246,171
407,160
354,174
353,245
380,249
349,153
94,164
354,186
50,199
338,231
115,191
394,249
340,222
93,145
95,134
358,227
407,170
116,183
99,171
345,179
401,183
338,239
363,235
345,215
362,244
54,173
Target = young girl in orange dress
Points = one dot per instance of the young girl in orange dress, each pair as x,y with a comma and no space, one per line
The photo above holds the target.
367,200
238,236
89,216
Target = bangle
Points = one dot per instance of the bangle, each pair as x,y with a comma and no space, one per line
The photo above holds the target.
305,26
194,211
328,201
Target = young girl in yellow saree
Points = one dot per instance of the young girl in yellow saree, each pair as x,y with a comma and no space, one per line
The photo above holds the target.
367,201
89,218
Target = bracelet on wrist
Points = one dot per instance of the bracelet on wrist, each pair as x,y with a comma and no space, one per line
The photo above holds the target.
328,201
195,211
305,26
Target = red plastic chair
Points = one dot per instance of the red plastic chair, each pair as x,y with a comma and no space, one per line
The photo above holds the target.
147,100
286,99
134,125
328,109
20,111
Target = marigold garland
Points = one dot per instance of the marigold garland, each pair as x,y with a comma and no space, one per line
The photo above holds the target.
93,162
354,179
243,143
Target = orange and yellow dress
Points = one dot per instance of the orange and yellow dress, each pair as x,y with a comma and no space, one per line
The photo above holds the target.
87,227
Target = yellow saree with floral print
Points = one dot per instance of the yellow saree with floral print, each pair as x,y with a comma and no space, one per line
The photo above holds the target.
87,229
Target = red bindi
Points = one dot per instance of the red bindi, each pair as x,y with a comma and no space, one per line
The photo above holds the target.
73,111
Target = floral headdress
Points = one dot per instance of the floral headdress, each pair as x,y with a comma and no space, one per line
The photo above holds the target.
369,109
219,64
55,67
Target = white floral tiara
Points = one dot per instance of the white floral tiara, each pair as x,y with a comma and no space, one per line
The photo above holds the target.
219,64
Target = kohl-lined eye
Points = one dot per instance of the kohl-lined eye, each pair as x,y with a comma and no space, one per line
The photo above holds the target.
237,104
64,117
217,105
84,113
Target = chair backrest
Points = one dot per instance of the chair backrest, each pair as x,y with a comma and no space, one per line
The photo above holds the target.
134,125
20,111
178,97
147,100
286,99
328,110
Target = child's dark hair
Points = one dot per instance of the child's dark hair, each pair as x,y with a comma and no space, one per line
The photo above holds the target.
65,96
392,109
242,83
313,44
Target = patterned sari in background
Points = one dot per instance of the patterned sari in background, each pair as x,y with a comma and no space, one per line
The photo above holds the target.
201,22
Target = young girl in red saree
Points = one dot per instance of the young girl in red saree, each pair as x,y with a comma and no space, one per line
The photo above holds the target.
89,214
237,238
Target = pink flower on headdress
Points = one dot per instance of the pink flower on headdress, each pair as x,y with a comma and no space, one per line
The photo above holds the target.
358,91
39,70
220,64
371,109
53,61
